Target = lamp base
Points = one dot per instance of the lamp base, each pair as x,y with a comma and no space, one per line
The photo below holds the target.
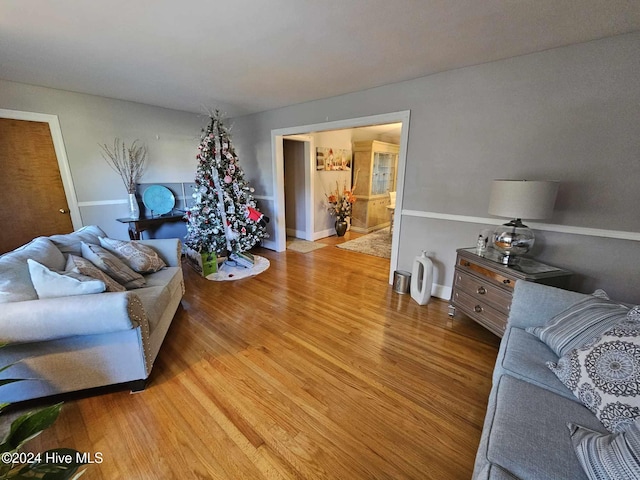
512,240
505,259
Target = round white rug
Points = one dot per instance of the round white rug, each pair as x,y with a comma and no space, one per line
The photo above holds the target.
229,272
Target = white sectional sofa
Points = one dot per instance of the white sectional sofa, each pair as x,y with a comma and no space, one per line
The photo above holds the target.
78,342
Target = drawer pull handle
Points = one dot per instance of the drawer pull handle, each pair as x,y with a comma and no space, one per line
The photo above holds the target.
466,264
482,290
506,281
478,309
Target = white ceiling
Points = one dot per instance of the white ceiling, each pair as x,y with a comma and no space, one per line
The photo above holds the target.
245,56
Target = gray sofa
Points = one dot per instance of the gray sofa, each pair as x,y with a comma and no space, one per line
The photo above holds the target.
525,434
80,342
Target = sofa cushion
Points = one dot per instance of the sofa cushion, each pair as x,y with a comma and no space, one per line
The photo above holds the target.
580,323
140,258
528,435
112,266
85,267
154,301
15,280
605,375
525,356
70,243
51,284
607,457
494,472
161,287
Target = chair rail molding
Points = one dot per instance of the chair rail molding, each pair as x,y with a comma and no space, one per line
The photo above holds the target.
549,227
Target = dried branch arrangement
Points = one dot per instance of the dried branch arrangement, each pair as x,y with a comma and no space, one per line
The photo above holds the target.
129,163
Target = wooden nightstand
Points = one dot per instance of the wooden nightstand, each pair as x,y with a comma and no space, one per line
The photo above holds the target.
483,287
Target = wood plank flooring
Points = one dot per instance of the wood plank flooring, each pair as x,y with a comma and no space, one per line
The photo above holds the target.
314,369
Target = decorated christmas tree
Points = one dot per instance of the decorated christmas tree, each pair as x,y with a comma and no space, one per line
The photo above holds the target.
224,218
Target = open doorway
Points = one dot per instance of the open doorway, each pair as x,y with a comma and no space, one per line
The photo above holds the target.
297,149
317,223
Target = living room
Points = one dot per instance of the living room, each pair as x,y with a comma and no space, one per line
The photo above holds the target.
540,93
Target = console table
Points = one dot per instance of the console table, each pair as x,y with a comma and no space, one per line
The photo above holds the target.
483,287
139,225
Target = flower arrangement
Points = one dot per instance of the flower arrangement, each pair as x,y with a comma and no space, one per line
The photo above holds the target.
129,163
341,202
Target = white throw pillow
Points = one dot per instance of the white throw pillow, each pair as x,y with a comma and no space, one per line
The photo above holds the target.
15,282
51,284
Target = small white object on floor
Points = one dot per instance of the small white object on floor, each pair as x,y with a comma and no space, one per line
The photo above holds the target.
228,272
422,279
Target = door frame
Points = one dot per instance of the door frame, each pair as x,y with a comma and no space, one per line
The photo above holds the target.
61,156
277,155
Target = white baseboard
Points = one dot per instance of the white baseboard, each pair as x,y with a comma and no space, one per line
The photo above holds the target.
269,244
441,291
296,233
324,234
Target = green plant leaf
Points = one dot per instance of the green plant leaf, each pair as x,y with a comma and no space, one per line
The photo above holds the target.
31,424
6,366
6,381
5,447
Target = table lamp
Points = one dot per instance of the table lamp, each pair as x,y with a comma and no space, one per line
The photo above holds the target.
518,199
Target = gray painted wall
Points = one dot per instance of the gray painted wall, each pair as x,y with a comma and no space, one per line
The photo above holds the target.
570,114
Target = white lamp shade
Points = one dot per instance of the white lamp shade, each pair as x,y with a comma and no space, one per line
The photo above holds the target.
526,199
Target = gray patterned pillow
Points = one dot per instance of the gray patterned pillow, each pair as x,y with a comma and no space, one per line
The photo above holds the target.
605,375
85,267
138,257
112,266
579,324
607,456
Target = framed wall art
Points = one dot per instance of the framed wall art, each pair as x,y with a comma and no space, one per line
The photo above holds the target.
333,159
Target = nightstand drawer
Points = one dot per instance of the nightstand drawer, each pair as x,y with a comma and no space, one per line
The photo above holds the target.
483,290
481,312
470,266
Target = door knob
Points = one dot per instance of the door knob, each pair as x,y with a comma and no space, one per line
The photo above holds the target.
62,210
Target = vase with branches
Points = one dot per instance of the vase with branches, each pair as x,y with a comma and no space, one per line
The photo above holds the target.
129,163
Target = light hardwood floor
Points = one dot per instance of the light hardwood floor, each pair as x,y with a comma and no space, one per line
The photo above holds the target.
314,369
